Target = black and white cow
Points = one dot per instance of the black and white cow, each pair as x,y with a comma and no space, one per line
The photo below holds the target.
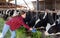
8,13
56,27
43,19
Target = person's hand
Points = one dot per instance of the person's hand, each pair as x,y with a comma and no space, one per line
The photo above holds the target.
34,30
30,29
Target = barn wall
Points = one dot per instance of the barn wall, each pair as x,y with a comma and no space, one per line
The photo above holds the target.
57,4
41,5
48,5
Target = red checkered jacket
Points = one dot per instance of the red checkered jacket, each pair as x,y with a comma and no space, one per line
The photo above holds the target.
16,22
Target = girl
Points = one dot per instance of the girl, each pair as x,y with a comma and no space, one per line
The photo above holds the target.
14,23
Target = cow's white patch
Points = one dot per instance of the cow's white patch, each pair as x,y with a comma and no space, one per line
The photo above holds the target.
53,24
58,20
15,13
44,15
37,21
48,26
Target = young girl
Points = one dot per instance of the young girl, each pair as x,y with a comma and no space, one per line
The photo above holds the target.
14,23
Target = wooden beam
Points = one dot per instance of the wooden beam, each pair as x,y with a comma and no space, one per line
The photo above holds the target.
4,0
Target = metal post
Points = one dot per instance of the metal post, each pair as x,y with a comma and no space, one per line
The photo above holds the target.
37,5
15,6
37,9
55,9
26,4
44,5
7,1
43,31
55,4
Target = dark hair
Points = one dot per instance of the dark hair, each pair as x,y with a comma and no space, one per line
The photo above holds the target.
22,12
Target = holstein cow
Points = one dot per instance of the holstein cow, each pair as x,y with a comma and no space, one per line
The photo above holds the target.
9,13
43,19
56,27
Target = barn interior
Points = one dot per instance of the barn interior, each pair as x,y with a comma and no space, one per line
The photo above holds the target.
35,10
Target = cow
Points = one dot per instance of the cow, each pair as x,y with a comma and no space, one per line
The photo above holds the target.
8,13
56,27
43,20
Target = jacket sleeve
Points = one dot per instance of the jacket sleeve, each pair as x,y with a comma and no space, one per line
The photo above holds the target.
25,25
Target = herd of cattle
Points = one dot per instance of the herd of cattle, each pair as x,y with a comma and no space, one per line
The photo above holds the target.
41,20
